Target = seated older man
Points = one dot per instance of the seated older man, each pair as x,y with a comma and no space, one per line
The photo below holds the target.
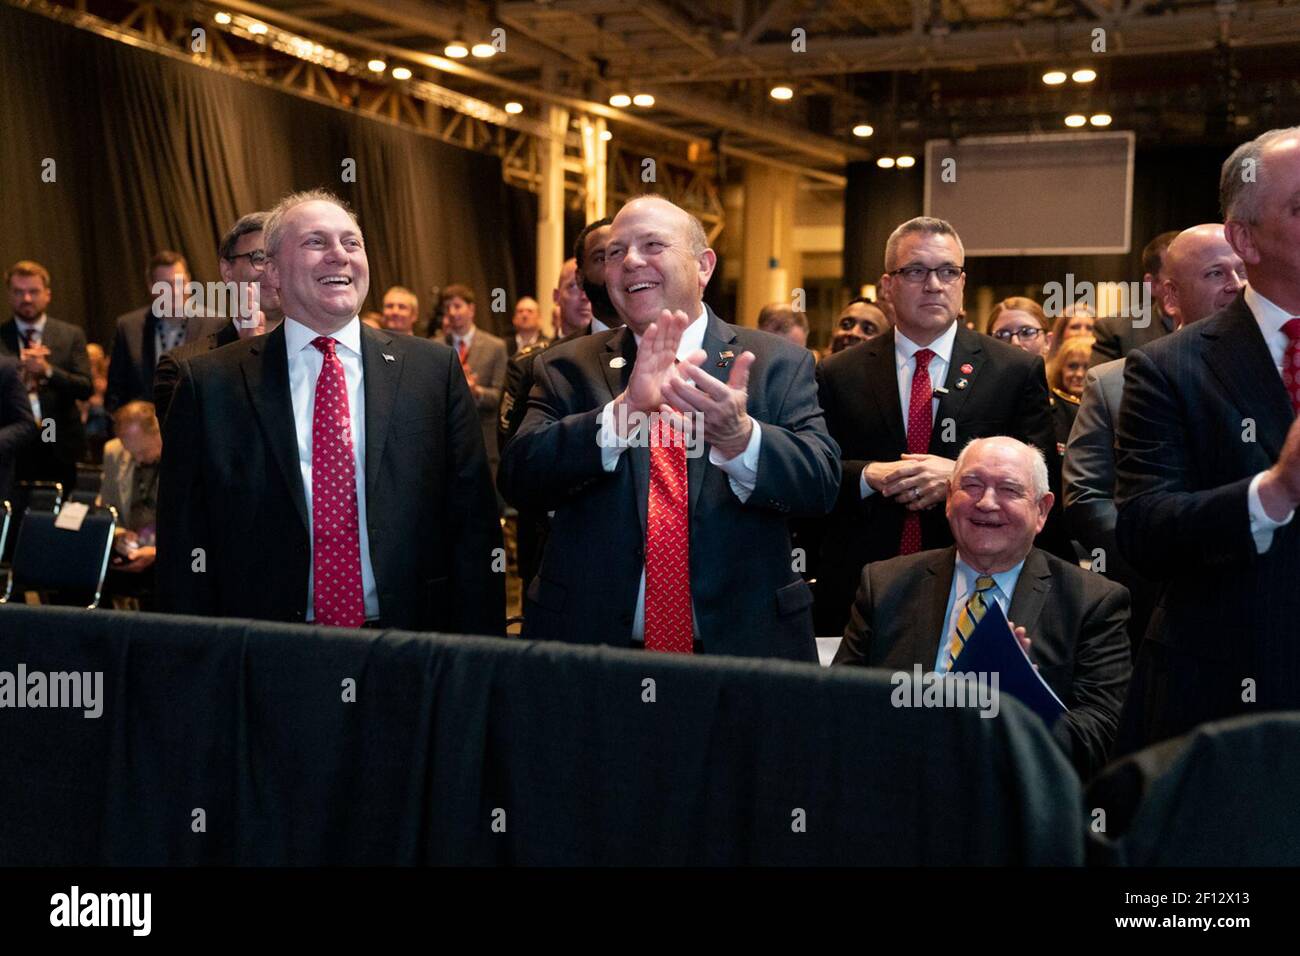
1071,621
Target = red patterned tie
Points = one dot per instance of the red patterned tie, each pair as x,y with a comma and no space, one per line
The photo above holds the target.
336,559
667,546
1291,363
919,424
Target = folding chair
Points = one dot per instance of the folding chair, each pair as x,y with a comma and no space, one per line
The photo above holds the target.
66,566
4,524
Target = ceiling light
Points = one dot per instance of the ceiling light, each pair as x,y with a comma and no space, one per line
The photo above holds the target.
222,17
1054,77
620,100
782,93
514,108
1075,120
1099,119
377,66
885,162
401,73
643,99
863,130
456,49
483,50
606,135
257,28
1084,75
906,162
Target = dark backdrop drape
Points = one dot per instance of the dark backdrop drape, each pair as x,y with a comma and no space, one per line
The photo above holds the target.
1173,188
153,153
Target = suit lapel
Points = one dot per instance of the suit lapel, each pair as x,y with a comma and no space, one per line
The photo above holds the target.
718,337
1032,588
266,374
380,379
881,378
967,350
149,346
927,617
622,346
1236,353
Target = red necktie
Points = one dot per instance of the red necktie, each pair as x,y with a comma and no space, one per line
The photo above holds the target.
1291,363
667,546
336,558
919,424
462,350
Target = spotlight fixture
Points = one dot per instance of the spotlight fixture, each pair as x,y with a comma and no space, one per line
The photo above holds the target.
456,49
606,135
1054,77
885,162
782,93
1084,74
644,100
222,17
514,109
906,162
1075,120
401,73
620,100
377,66
483,50
1099,119
257,28
863,129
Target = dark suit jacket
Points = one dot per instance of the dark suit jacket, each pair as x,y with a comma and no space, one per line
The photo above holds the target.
1204,410
1006,394
231,485
168,371
69,383
512,345
747,599
1115,336
1075,620
17,426
134,358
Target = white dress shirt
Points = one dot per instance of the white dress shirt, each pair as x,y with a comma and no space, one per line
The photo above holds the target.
1270,317
305,364
741,471
905,365
963,586
36,331
467,338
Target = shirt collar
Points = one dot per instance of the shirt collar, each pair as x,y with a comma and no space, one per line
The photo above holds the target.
692,336
905,348
598,326
1006,580
1268,314
298,337
467,338
37,326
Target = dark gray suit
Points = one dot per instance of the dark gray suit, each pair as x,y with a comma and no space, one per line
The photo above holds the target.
135,354
1115,336
747,598
17,426
168,371
1074,618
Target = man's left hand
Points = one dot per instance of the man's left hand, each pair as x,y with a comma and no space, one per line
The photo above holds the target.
35,360
920,482
727,426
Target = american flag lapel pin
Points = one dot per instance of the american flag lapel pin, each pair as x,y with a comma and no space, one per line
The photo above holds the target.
387,357
724,358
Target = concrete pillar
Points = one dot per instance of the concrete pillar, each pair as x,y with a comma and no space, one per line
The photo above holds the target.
595,165
770,268
550,212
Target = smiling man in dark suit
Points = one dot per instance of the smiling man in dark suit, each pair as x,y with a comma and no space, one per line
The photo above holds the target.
658,542
326,471
900,421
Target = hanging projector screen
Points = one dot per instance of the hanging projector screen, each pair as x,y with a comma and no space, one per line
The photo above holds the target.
1034,195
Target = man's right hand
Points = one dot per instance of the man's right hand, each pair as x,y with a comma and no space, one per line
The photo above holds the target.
656,361
1279,489
877,474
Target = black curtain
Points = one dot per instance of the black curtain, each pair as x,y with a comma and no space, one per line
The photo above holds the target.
151,153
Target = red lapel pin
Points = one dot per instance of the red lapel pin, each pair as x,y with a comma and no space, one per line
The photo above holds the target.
967,368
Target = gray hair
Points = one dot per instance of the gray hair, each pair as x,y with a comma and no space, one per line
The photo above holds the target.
275,219
253,222
1239,195
922,224
1036,460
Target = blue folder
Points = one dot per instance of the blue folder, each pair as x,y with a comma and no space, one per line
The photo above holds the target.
993,648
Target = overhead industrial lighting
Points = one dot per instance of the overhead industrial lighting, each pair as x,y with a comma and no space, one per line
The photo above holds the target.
401,73
257,28
782,93
885,162
1099,119
1054,77
483,50
377,66
643,100
620,100
222,17
863,129
906,162
514,109
456,49
606,135
1084,74
1075,120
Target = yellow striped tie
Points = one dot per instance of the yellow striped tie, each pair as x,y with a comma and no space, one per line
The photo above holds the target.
970,615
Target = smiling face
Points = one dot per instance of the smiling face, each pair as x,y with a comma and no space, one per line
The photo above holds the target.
399,311
924,310
650,264
1270,247
320,267
1201,275
992,508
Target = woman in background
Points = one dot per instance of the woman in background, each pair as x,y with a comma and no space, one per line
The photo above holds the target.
1020,322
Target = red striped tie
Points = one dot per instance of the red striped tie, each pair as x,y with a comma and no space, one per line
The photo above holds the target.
919,424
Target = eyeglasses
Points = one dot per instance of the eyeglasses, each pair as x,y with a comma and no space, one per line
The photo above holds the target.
919,274
1026,333
256,258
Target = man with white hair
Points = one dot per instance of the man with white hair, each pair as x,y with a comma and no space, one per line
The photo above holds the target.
920,608
339,467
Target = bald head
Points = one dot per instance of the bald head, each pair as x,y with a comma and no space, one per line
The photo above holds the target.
1201,274
528,316
657,258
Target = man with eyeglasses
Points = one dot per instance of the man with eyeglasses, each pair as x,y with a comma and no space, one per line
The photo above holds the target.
903,404
242,262
145,334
